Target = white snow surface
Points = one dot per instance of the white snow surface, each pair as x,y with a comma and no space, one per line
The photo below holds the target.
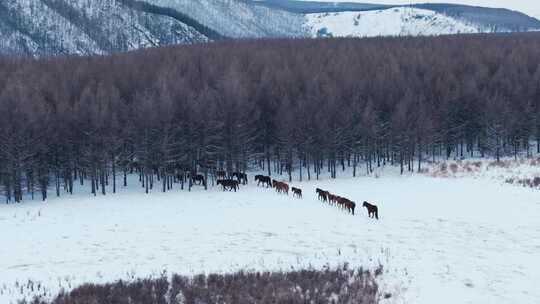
529,7
404,21
441,240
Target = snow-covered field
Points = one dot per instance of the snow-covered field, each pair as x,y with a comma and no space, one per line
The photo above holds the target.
389,22
441,240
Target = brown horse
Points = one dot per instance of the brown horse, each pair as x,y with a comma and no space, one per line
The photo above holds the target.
284,188
340,202
297,192
281,187
373,211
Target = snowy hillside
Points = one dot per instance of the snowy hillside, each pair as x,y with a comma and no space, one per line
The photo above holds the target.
389,22
51,27
239,19
85,27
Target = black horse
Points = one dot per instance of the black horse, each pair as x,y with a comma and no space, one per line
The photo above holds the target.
228,183
240,177
373,211
198,179
265,180
221,174
297,192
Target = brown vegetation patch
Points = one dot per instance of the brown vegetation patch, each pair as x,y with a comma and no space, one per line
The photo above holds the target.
342,285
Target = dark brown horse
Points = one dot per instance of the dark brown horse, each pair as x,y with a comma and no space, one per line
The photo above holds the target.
349,206
296,192
228,183
323,195
373,211
333,199
341,202
265,180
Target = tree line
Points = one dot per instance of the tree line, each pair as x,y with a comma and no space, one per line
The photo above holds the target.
281,106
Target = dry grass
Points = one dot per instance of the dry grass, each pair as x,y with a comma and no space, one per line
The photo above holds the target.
508,167
342,285
525,182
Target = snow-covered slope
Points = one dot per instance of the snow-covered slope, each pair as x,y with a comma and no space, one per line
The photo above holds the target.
400,21
85,27
239,19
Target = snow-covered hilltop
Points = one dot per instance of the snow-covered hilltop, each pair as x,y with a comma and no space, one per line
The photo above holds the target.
400,21
50,27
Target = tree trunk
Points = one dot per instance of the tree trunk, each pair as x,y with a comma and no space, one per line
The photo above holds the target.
401,160
102,176
165,181
419,156
146,183
354,164
114,173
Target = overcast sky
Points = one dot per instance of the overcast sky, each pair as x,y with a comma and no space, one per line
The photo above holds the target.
529,7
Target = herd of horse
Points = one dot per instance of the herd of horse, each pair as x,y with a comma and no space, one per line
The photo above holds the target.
280,187
345,203
236,178
336,200
227,181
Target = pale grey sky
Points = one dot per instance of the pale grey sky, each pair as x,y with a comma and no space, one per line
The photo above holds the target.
529,7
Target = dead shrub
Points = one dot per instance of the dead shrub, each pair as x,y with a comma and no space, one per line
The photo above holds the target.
341,285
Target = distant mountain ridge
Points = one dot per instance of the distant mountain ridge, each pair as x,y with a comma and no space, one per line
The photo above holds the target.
497,18
81,27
